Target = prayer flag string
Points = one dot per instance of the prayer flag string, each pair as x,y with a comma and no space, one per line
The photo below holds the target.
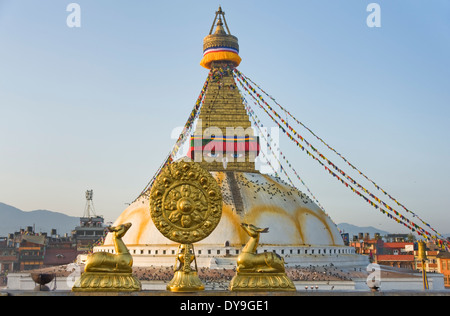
257,123
184,135
411,225
332,149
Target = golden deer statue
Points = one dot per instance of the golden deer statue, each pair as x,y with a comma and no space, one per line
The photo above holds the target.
250,261
121,261
106,272
259,272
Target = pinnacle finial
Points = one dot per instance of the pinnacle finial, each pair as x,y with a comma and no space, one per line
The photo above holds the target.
220,14
219,27
221,45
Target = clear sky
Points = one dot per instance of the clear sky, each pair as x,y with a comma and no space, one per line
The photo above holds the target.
94,107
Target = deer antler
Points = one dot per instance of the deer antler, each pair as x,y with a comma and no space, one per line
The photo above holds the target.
254,228
263,230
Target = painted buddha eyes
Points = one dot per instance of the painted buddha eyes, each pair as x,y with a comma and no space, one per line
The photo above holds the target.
230,155
213,155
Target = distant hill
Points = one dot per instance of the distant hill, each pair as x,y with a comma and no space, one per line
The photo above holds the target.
353,230
12,219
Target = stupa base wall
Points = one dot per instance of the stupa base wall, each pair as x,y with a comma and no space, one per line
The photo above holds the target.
352,260
219,257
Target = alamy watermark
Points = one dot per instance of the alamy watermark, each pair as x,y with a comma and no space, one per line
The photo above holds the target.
74,18
374,18
75,273
374,278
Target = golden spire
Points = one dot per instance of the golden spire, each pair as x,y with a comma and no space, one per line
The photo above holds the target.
219,28
224,139
220,46
220,13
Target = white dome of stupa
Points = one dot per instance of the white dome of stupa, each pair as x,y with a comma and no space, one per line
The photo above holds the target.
265,201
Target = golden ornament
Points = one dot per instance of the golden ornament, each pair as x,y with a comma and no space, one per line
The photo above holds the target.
185,202
185,206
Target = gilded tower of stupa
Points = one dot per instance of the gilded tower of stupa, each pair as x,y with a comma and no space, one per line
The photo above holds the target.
224,143
224,138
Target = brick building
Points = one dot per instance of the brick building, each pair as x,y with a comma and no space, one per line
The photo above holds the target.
396,254
443,259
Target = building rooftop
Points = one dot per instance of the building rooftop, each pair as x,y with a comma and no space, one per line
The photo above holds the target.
395,258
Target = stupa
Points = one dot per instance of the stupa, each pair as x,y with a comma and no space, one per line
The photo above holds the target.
225,144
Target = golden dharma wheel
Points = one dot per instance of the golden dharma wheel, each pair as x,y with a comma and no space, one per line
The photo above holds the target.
185,202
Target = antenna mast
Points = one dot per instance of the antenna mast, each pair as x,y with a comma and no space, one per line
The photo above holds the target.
89,210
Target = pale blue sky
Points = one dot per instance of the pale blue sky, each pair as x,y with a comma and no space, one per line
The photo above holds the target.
94,107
